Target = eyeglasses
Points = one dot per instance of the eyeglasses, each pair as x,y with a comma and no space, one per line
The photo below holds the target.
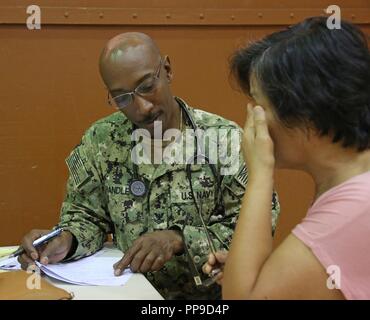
144,89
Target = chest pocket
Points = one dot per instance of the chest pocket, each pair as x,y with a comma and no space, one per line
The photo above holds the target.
183,209
125,209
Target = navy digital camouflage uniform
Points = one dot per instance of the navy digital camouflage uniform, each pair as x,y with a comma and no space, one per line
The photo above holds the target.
98,202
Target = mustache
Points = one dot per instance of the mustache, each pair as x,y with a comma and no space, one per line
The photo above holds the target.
151,118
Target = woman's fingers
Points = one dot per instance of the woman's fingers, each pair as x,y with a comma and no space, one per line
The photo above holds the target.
260,124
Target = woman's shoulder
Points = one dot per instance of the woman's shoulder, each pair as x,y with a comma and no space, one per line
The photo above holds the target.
343,207
351,194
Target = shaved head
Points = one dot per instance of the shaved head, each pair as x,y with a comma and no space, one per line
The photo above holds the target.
128,49
125,41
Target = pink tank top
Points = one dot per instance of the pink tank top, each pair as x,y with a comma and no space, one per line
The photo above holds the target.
337,230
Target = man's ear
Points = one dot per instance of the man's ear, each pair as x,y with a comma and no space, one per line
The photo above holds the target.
168,68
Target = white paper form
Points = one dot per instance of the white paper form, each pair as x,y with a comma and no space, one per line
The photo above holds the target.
10,264
97,271
94,270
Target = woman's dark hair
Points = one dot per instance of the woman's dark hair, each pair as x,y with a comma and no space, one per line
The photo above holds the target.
313,76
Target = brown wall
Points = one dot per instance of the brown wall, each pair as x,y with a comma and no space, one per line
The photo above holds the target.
50,90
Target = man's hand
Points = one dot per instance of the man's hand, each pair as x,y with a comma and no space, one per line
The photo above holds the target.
216,262
52,252
150,251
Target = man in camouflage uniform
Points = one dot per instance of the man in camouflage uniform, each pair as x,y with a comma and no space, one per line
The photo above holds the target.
160,232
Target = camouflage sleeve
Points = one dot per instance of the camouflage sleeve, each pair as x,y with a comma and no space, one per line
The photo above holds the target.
222,224
83,211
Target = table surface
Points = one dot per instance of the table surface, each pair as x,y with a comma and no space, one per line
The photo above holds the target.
136,288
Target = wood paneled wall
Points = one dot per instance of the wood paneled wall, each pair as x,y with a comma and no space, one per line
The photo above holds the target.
50,90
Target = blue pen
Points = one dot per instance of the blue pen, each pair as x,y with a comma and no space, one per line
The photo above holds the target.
38,242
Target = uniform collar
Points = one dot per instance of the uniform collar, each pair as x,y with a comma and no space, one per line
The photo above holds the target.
152,173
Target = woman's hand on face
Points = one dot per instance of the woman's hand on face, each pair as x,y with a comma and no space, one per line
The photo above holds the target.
257,145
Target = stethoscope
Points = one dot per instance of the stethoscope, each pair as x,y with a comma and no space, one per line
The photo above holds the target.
138,188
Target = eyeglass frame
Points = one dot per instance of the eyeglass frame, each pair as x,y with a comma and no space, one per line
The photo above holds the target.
155,77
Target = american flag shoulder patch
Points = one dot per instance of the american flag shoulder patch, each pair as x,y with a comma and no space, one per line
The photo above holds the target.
242,176
77,168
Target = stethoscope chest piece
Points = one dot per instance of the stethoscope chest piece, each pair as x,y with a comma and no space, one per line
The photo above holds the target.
137,188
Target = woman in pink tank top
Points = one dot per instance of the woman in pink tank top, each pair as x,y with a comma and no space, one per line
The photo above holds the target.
310,87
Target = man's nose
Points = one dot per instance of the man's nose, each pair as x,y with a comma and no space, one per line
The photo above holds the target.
145,106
